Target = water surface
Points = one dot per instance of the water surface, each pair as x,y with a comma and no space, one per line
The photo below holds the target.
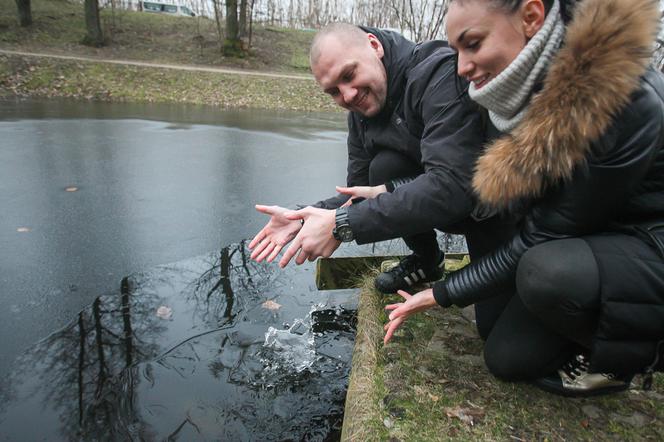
156,184
210,348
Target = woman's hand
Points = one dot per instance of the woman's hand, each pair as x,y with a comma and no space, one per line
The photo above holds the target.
418,302
366,192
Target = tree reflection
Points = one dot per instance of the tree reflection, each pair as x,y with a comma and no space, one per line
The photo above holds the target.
87,374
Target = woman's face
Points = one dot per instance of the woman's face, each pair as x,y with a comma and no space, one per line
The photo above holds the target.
488,38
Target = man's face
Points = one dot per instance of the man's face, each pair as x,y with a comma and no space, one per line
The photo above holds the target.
353,75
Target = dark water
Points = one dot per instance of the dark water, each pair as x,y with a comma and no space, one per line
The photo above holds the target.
211,348
156,184
214,347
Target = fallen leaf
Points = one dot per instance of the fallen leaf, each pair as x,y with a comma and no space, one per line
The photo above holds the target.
433,397
466,415
164,312
271,305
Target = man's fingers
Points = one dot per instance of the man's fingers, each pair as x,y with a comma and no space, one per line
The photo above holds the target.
268,210
266,251
259,249
290,252
275,252
258,238
301,257
297,214
393,306
346,190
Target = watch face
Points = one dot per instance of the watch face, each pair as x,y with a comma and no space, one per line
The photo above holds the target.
345,234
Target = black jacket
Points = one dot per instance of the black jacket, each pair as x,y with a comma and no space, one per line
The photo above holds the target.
429,118
577,182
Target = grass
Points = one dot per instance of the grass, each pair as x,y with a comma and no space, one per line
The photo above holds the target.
140,36
430,384
59,27
22,76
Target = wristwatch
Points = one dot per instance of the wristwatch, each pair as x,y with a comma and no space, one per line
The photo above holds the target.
342,231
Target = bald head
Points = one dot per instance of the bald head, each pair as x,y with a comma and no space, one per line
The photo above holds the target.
349,35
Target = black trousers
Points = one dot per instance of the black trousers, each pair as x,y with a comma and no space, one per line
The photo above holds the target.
388,165
558,298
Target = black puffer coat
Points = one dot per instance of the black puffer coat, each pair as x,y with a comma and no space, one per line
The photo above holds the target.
430,119
589,157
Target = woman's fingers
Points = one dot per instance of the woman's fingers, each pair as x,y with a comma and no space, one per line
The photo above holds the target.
392,327
404,295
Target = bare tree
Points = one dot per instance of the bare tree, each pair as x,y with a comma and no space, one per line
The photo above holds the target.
242,15
94,35
232,42
422,19
218,17
24,12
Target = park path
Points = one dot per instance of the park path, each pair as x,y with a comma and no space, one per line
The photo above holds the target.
191,68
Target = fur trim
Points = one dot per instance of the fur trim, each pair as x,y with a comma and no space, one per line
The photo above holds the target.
607,49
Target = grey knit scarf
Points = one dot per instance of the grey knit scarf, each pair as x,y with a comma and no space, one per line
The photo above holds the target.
508,94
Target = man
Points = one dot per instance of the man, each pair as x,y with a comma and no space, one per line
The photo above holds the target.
413,138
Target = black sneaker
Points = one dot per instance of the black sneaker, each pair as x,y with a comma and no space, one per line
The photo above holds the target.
573,379
407,273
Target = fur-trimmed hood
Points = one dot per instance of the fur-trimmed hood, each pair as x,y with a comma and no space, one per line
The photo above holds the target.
607,49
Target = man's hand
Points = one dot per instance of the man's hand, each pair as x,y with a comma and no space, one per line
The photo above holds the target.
315,239
367,192
421,301
278,232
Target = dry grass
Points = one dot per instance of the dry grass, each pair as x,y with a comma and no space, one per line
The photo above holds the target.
430,384
362,400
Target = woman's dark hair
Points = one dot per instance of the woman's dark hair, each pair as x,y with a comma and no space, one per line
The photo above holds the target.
511,6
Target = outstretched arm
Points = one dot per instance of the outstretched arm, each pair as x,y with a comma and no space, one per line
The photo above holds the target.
278,232
315,239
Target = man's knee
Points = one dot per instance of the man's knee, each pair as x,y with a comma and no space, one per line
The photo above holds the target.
388,165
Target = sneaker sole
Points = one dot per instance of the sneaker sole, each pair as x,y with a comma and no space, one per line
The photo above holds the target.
560,391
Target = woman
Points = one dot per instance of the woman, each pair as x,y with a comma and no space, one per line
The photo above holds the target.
583,157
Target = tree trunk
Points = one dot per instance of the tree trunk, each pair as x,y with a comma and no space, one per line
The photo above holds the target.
243,19
94,36
218,18
24,12
232,44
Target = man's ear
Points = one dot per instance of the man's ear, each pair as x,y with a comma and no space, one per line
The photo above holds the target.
533,15
376,45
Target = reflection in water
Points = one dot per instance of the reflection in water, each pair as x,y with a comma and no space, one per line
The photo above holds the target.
120,371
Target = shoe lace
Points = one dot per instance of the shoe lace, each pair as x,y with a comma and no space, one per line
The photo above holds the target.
408,264
576,367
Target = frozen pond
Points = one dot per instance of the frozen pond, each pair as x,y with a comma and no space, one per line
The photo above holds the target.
211,348
155,184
